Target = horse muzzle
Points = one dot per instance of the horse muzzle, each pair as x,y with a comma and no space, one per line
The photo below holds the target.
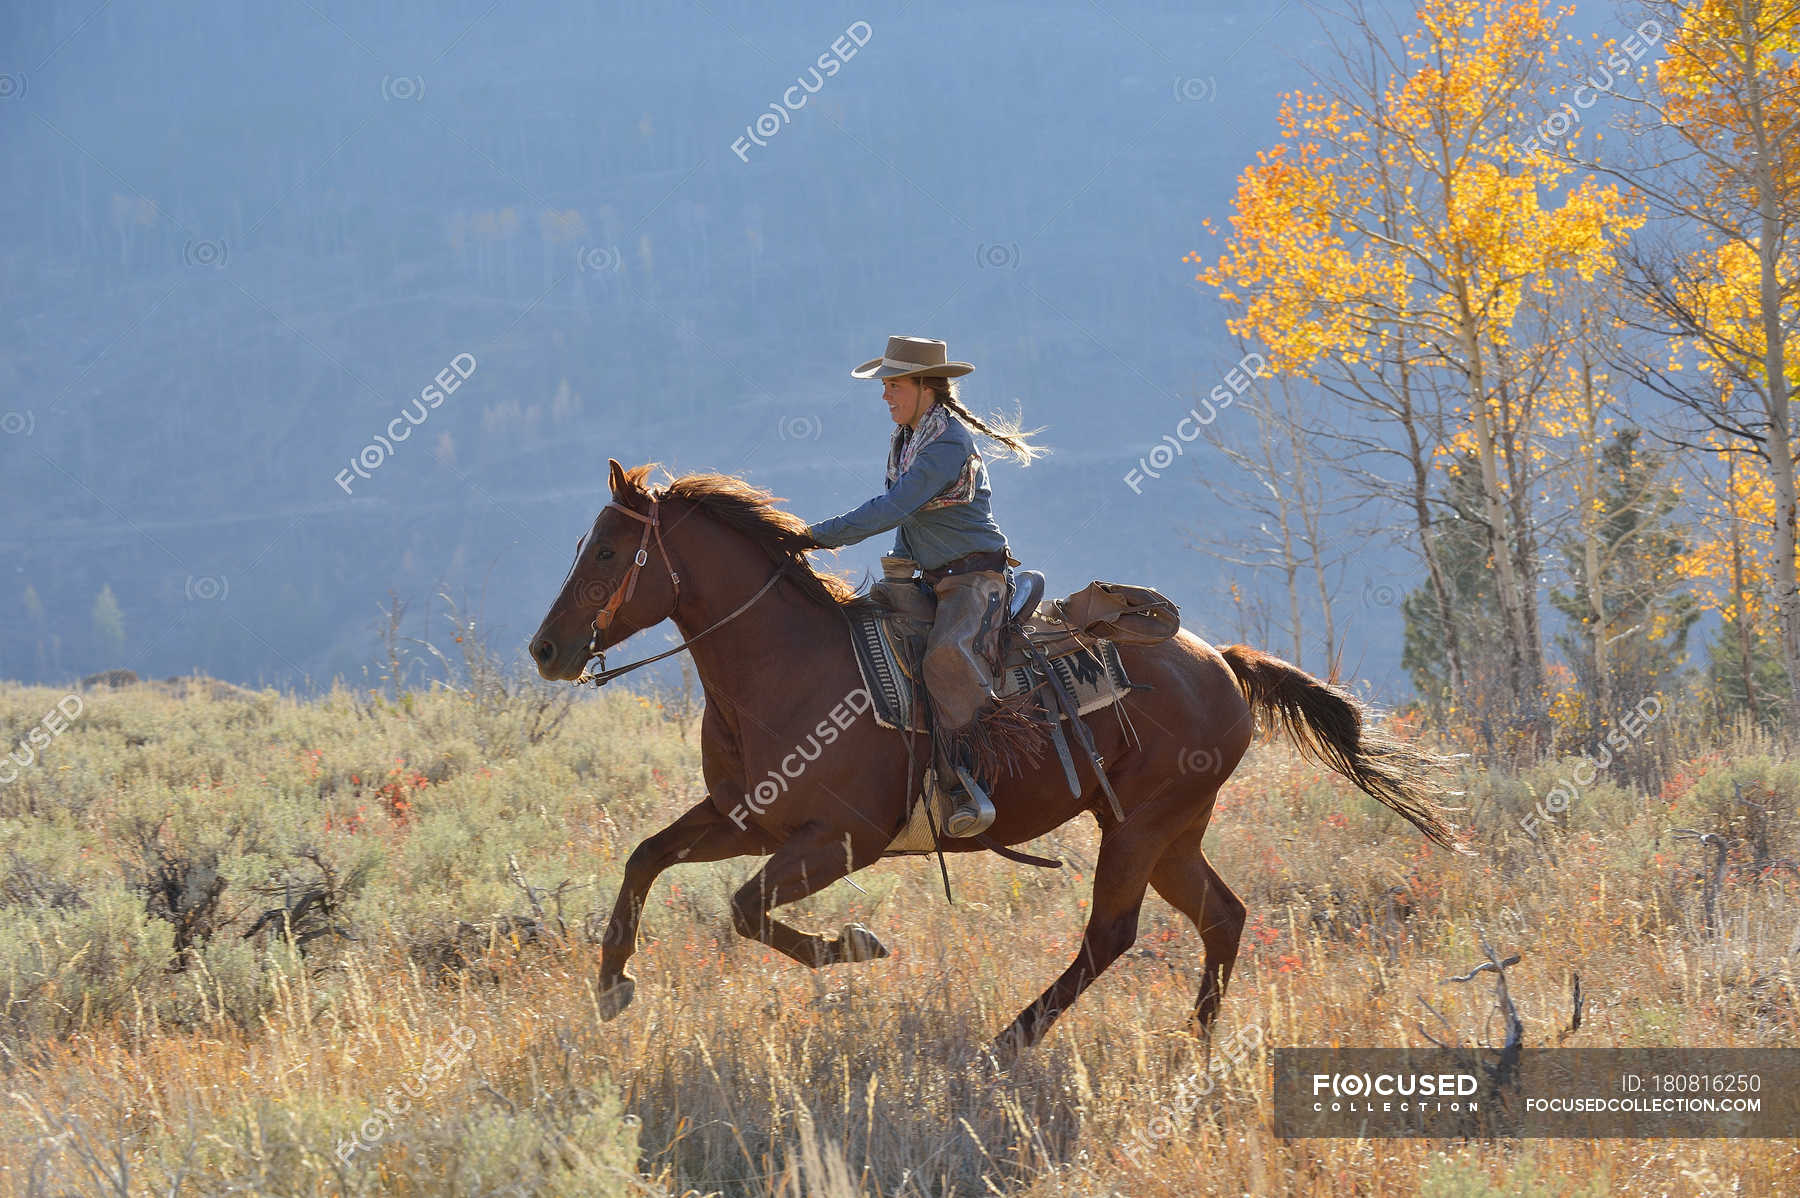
557,665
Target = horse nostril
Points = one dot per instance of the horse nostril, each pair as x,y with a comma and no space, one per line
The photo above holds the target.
542,649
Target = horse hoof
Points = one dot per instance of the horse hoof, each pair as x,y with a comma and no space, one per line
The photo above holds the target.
995,1060
617,997
857,943
1006,1048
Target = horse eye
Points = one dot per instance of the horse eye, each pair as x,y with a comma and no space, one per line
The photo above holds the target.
603,554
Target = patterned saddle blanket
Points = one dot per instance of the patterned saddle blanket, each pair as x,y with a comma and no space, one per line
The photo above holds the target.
889,646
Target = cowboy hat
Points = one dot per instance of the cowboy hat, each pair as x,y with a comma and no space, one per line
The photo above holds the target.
912,357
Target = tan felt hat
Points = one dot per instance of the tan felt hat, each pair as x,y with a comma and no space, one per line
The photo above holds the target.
908,357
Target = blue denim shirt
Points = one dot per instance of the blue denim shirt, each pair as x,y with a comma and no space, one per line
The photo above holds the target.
931,536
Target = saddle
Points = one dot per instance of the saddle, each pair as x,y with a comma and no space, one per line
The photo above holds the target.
1053,670
890,634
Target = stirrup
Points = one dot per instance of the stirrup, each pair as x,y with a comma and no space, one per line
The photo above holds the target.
974,813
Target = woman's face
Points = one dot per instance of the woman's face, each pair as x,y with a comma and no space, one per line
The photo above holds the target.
907,400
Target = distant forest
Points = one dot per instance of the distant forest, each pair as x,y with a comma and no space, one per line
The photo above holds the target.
1463,385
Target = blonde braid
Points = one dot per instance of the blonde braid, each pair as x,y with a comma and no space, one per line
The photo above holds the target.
1014,441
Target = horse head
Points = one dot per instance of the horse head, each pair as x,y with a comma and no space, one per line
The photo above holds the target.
612,589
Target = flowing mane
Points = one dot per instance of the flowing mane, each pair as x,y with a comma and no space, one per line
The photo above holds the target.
752,511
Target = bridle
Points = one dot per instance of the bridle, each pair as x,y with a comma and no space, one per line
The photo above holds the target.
620,597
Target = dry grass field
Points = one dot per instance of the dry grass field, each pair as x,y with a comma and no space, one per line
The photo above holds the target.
261,945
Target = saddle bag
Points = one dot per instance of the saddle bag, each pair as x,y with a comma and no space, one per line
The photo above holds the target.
1118,611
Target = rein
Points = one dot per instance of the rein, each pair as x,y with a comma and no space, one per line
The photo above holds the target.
604,617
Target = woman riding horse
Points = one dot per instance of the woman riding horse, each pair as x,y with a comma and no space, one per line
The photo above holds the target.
937,501
791,774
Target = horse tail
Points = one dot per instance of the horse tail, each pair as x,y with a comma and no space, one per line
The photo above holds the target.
1331,728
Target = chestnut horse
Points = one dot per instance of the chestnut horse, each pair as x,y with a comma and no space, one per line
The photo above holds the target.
796,769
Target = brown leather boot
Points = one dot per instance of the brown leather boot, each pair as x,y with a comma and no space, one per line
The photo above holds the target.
972,812
962,656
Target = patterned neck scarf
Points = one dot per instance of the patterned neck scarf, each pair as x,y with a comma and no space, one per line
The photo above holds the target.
905,448
908,442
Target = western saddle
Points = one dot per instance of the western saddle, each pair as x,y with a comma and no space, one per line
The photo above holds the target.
1058,663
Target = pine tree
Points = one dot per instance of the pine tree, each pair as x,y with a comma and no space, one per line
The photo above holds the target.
109,626
1727,679
34,618
1461,543
1644,601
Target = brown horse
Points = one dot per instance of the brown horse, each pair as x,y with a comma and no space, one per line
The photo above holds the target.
796,769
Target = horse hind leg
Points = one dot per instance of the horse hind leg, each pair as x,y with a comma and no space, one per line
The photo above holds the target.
806,865
1186,879
1120,877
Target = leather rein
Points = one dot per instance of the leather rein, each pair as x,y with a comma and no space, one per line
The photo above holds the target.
604,617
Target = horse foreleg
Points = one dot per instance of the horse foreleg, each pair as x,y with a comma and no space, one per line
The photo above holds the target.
1192,886
701,833
803,865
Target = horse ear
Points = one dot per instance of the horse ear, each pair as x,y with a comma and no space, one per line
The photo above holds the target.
615,477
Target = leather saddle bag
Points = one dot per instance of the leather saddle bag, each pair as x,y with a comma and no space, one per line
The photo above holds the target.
1118,611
